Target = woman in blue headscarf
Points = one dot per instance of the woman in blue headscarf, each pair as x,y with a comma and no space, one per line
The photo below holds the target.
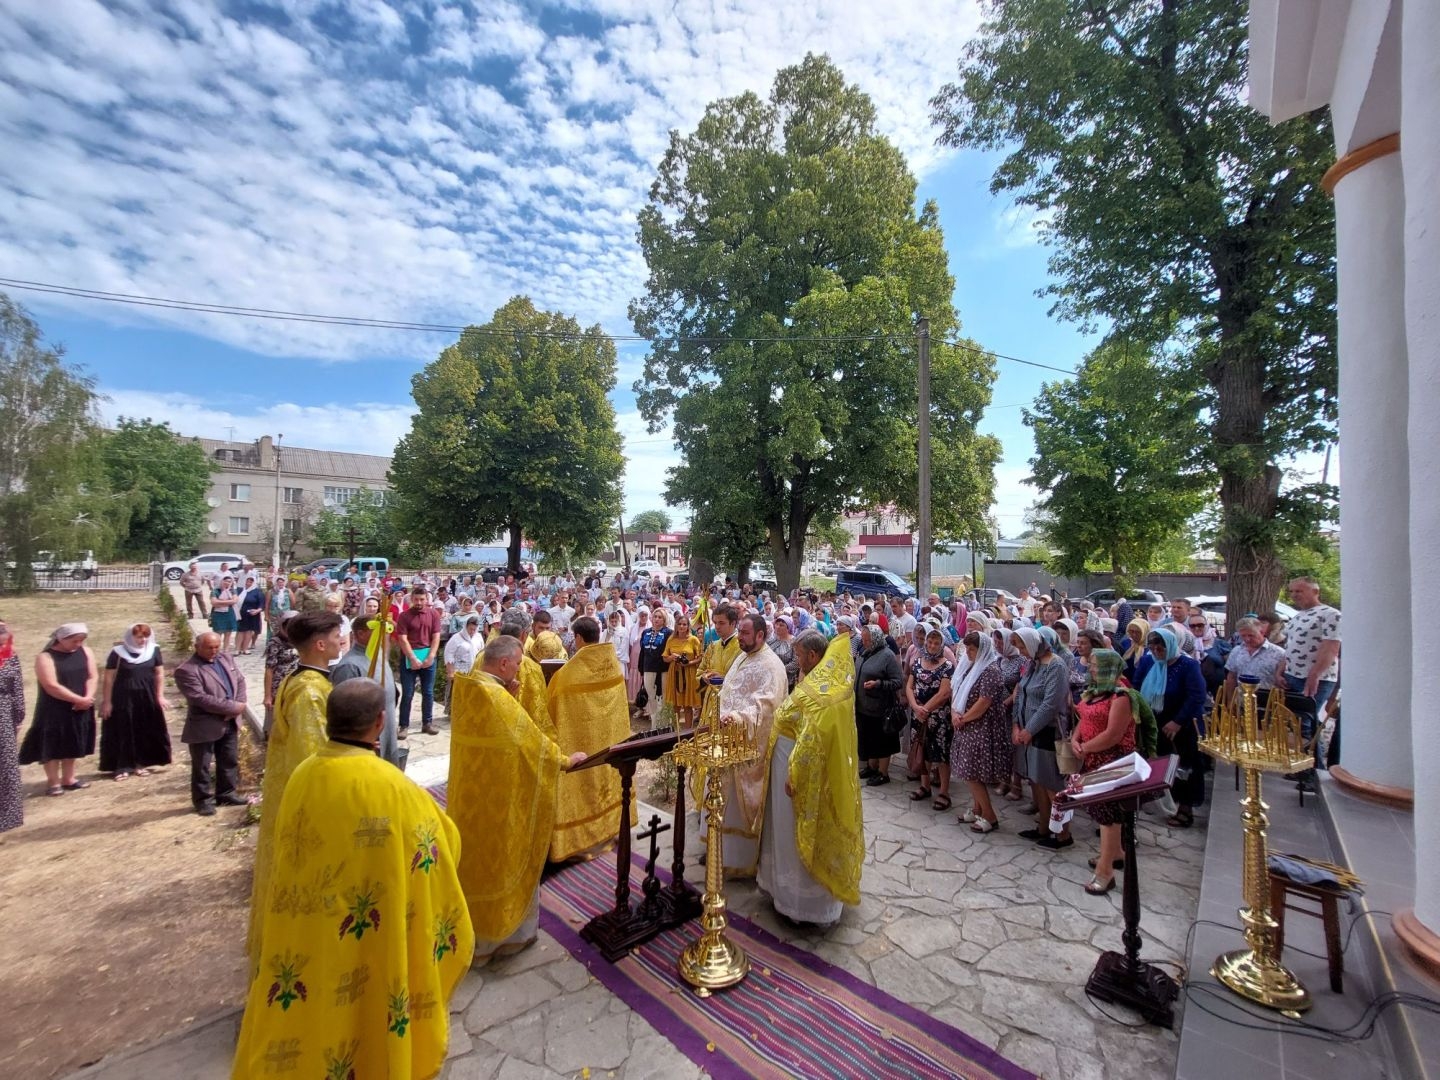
1175,688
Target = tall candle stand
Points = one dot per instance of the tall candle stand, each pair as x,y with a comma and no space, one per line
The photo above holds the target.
1256,744
714,962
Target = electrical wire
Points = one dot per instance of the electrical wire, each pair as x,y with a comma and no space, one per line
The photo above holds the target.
278,315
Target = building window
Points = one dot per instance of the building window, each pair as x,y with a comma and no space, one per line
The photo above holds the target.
294,495
239,492
239,526
290,527
340,496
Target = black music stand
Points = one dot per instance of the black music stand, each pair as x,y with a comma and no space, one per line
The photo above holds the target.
1123,978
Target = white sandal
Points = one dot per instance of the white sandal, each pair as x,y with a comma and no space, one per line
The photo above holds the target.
982,826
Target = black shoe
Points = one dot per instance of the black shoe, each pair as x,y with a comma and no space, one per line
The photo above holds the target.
1055,843
231,800
1308,783
867,772
877,780
1294,776
1031,834
205,810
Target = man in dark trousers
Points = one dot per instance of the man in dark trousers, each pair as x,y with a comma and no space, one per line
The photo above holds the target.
214,692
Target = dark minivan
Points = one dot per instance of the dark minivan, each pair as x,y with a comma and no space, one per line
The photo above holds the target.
872,583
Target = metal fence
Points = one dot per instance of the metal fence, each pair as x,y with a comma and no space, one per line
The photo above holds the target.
104,579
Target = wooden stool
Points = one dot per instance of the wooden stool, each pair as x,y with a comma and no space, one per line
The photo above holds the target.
1282,892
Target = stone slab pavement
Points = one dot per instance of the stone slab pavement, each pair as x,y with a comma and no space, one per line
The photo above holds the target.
988,933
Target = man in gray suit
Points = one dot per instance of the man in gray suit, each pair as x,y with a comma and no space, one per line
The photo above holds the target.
214,692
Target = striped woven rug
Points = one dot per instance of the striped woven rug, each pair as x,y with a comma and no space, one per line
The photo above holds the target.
794,1015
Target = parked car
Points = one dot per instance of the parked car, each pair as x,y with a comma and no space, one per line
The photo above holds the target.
322,566
833,568
988,598
209,564
650,569
363,565
49,564
1137,597
1214,609
868,566
873,583
597,566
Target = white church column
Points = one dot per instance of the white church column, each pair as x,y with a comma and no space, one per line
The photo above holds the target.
1420,159
1374,465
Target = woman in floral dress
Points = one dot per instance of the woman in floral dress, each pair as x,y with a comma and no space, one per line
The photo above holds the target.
981,753
12,714
927,690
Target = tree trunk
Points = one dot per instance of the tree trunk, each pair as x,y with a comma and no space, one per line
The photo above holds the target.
788,555
513,555
1249,485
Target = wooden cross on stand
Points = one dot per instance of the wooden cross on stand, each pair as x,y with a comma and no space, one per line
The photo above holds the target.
650,906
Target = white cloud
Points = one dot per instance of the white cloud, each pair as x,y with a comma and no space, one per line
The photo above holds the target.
288,165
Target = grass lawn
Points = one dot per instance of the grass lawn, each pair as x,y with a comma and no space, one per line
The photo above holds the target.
107,614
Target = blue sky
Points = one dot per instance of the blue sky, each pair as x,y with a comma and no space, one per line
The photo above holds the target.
424,161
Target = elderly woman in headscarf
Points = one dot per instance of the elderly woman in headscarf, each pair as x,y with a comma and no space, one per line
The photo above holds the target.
782,644
1038,716
133,733
877,681
12,715
1069,633
63,729
1012,666
980,753
1132,646
927,692
1175,688
1104,731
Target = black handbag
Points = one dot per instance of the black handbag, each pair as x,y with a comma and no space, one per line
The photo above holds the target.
895,720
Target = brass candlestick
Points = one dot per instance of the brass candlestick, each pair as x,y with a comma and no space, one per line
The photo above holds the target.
714,961
1257,745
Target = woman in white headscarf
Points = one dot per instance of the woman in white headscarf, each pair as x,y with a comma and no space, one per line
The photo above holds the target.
133,733
63,729
981,751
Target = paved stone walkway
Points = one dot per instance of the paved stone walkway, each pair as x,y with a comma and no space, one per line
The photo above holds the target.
988,933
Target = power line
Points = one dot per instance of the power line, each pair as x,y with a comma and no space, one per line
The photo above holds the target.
277,315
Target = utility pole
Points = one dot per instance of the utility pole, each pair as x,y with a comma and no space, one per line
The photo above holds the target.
922,554
350,538
279,524
624,550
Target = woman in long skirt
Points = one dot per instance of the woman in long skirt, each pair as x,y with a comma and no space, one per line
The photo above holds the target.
63,729
133,734
12,714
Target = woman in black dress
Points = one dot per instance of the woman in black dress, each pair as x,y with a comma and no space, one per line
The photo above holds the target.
64,725
133,735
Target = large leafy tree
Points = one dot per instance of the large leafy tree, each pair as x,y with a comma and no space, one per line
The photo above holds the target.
788,265
1175,208
1118,461
514,431
163,481
657,521
374,522
53,494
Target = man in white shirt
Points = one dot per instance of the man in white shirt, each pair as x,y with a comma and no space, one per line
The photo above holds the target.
1312,658
1027,606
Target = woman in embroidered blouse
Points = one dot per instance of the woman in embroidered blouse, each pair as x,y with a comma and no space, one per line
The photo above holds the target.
1104,731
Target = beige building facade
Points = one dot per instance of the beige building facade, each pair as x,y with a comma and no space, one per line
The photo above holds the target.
259,484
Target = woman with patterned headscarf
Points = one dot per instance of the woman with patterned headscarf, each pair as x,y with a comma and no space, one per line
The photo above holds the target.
1104,731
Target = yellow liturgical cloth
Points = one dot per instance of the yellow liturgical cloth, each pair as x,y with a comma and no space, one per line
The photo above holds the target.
363,932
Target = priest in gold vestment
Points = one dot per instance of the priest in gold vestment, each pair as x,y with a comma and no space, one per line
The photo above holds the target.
297,732
531,677
754,686
814,840
504,782
590,712
363,934
544,643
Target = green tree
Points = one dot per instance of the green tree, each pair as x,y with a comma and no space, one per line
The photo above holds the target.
164,481
828,537
378,521
1117,461
53,494
788,268
657,521
1175,208
514,431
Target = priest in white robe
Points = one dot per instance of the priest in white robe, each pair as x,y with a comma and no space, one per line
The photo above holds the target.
753,688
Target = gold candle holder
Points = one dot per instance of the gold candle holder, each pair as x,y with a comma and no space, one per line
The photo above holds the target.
1274,744
714,962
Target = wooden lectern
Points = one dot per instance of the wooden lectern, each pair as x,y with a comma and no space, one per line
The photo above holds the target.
1123,978
624,926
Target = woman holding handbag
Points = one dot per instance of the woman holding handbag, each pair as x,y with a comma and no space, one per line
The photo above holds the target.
877,680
